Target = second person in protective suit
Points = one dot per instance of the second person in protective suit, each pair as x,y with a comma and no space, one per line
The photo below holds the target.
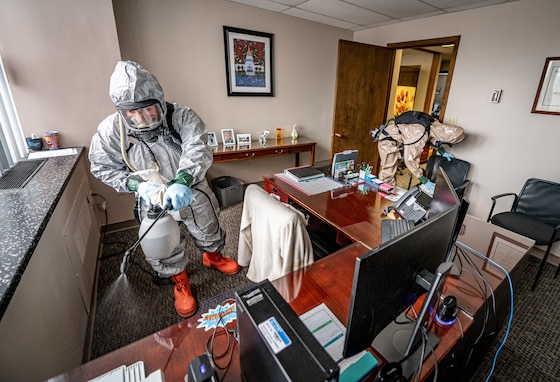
158,150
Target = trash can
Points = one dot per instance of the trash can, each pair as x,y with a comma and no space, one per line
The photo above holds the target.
228,190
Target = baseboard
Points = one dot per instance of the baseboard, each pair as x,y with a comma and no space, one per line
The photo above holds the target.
121,226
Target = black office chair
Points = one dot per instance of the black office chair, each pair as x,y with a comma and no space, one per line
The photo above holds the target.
535,213
456,169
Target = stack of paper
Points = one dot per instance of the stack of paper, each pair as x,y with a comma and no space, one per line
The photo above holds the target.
330,332
132,373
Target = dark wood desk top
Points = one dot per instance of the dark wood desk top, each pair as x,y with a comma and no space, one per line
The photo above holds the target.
256,150
355,211
328,280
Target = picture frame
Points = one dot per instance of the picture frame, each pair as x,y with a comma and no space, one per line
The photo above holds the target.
547,99
504,251
228,138
243,139
249,62
212,139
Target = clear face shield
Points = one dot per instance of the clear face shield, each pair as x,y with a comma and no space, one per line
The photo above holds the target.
144,118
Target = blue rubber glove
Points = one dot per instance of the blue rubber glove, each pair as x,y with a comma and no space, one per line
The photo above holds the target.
448,156
144,190
177,196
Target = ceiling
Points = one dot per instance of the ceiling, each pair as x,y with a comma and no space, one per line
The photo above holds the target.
356,15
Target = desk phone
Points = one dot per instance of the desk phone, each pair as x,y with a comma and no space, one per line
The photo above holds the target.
413,205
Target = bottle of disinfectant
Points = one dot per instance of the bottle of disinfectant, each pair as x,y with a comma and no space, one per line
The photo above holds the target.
162,238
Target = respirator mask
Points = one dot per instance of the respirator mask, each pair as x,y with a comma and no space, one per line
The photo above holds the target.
143,118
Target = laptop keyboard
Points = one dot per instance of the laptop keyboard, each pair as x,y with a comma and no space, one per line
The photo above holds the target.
391,228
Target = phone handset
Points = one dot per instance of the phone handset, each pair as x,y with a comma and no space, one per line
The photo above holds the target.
403,199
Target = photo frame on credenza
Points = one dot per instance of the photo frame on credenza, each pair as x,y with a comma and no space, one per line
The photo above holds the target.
228,138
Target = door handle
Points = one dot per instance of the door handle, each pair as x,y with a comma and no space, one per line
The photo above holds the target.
338,135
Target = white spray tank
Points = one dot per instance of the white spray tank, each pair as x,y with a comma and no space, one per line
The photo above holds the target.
160,234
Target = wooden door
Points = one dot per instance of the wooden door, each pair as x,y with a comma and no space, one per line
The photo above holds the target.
363,85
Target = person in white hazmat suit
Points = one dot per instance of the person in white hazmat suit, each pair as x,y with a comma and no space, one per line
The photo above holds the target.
411,131
158,150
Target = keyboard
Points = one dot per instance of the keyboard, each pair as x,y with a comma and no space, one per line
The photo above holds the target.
391,228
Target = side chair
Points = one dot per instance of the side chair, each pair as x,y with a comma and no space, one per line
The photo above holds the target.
535,213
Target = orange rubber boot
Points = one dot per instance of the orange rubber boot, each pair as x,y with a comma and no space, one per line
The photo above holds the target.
223,264
185,304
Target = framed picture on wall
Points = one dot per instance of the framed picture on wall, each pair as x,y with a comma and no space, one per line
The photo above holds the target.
547,100
249,67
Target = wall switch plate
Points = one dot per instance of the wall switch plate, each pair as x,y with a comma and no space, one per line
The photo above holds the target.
496,95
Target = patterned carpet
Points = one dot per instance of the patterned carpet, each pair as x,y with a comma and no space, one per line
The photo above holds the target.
532,351
132,308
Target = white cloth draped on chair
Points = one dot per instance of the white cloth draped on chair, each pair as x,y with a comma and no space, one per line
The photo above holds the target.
273,240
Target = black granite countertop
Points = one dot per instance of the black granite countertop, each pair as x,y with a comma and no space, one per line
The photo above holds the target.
24,214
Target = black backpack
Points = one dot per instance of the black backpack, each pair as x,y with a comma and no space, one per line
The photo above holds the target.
406,118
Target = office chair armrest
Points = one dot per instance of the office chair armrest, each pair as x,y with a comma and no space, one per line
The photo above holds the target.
496,197
463,185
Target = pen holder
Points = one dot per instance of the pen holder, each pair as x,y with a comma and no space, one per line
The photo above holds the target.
363,174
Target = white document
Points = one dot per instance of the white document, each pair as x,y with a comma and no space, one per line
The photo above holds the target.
330,332
52,153
312,187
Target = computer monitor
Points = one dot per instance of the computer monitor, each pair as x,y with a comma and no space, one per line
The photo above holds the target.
385,280
444,194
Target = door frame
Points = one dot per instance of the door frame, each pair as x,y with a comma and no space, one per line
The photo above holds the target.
435,42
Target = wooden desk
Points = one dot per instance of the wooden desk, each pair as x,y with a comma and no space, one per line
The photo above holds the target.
328,280
355,213
272,148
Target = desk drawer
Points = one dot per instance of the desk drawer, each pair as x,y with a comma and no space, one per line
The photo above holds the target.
271,188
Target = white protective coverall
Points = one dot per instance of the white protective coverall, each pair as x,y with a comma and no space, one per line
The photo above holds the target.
413,137
190,154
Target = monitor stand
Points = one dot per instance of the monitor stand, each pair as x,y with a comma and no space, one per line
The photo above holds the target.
399,340
392,342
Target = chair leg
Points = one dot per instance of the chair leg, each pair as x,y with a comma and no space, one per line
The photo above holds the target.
557,271
541,267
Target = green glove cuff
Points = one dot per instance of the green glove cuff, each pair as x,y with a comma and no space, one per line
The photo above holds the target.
182,178
423,179
441,151
132,184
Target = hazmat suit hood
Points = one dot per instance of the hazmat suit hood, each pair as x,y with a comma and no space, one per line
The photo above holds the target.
131,84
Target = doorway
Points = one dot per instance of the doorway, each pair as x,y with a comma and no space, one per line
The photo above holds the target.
364,89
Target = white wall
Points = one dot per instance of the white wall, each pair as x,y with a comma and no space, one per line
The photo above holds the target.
504,47
182,43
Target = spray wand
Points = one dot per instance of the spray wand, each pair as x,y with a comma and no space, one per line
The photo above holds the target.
124,264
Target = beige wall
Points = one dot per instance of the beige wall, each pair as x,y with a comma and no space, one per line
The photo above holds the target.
502,47
182,43
59,56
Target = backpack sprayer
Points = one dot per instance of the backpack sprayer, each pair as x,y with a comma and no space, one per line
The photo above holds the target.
158,236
